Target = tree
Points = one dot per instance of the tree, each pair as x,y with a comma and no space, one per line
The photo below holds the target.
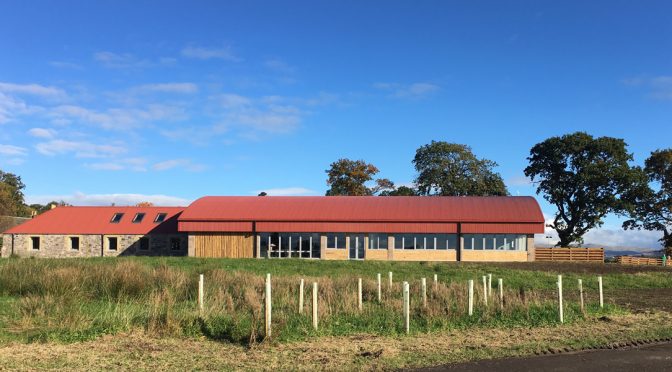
263,193
11,195
349,177
653,211
39,208
145,204
400,191
586,178
451,169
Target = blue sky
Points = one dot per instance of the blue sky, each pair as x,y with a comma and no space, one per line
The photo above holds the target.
168,101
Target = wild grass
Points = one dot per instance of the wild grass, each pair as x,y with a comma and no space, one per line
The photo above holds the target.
73,300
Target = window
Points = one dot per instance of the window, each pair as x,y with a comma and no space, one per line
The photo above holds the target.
286,245
74,243
425,241
377,241
336,241
35,242
116,218
112,243
160,217
501,242
138,217
446,241
143,244
175,244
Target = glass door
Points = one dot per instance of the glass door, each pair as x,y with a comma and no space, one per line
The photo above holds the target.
357,247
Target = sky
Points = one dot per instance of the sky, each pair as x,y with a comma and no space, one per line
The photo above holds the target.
167,101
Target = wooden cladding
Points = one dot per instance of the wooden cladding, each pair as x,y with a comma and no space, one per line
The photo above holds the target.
650,261
570,254
223,245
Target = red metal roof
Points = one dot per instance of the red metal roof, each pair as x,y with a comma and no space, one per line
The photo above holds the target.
417,209
96,220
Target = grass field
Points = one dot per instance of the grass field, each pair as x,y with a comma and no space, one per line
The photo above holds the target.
84,301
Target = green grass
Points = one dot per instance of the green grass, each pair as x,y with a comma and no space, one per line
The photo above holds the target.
69,300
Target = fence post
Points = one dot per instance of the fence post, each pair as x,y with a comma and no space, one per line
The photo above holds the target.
200,293
485,291
301,297
500,286
359,294
315,305
471,297
562,315
599,283
436,282
379,294
489,284
424,292
407,312
389,274
581,293
267,307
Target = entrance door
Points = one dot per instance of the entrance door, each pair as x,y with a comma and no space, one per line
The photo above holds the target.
357,247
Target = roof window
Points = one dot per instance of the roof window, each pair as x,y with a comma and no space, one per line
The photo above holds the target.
117,218
138,217
160,217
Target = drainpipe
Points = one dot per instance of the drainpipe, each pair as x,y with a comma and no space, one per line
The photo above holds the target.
459,242
102,245
13,236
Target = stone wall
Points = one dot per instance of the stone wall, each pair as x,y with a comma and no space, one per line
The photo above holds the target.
58,246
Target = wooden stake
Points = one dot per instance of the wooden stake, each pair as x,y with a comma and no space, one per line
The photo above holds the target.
315,305
390,279
424,292
301,297
267,307
359,294
407,312
471,297
379,294
200,293
500,286
489,284
485,291
599,283
436,282
560,307
581,293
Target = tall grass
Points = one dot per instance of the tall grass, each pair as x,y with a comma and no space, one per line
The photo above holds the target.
76,300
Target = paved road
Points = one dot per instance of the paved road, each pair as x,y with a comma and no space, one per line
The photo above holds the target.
641,359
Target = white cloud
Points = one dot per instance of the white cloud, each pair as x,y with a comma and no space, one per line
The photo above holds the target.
115,118
279,66
182,88
179,163
233,101
203,53
287,191
118,60
79,198
11,150
518,181
415,90
42,132
133,164
32,89
659,87
65,65
81,149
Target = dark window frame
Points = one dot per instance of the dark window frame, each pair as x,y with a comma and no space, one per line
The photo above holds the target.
144,239
117,217
33,246
172,244
160,217
138,217
72,239
116,243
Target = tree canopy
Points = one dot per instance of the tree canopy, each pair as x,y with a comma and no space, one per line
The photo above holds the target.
585,178
400,191
654,209
11,195
349,177
451,169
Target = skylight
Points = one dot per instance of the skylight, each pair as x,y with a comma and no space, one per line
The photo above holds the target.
138,217
160,217
116,218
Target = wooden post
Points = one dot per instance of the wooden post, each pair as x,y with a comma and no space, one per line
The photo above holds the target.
359,294
471,297
500,286
424,292
407,312
561,313
581,293
489,284
315,305
436,282
267,307
485,291
390,279
200,293
599,283
301,297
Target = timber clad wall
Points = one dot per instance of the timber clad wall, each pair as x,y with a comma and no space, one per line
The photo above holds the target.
231,245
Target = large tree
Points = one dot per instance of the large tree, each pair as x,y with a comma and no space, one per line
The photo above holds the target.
451,169
350,177
400,191
11,195
586,178
654,211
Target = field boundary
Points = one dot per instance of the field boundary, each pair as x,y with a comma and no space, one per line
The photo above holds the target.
569,254
640,261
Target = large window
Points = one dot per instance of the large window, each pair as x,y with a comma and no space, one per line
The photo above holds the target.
74,243
35,242
377,241
336,241
498,242
289,245
112,243
425,241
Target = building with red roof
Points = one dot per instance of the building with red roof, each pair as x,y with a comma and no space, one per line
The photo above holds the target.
333,227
